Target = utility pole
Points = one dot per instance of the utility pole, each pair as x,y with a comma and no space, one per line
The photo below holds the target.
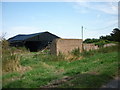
82,32
82,38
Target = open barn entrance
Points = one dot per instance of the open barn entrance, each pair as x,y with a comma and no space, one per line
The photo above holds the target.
35,46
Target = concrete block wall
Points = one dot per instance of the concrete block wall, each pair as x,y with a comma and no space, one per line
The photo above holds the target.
65,45
88,47
109,44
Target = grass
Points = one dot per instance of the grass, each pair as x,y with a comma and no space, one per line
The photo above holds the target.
94,63
86,81
11,57
94,70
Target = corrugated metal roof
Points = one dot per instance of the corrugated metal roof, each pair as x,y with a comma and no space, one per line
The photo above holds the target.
22,37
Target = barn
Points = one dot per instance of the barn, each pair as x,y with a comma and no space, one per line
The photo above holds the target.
33,42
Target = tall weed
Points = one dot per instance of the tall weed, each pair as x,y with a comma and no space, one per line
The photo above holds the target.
76,52
10,61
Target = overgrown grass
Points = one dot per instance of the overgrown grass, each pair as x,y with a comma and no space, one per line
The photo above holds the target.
9,75
86,81
76,52
101,50
90,63
96,68
11,57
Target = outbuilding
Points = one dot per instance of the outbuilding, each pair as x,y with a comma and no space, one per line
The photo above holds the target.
65,46
33,42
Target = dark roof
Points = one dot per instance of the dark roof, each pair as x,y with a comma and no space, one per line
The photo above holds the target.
22,37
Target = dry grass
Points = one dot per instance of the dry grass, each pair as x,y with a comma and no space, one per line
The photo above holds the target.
11,58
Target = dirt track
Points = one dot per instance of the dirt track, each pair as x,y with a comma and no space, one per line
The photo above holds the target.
113,83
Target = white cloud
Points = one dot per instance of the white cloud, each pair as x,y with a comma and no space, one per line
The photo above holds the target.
109,7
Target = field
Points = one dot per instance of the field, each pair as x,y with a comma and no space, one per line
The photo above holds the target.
87,70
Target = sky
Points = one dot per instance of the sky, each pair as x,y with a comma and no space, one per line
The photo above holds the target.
63,19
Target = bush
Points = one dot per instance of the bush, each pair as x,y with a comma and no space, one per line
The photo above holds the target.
10,61
76,52
91,40
102,43
60,57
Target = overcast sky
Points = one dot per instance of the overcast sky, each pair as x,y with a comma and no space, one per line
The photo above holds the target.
61,18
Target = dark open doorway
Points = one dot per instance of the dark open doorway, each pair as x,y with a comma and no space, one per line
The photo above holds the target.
35,46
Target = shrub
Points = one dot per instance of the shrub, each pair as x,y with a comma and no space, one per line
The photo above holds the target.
60,57
76,52
10,61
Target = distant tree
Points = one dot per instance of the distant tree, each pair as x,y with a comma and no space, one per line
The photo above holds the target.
93,40
88,40
116,34
103,37
108,37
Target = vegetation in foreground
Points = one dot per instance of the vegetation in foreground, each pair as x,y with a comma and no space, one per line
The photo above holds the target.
90,69
94,69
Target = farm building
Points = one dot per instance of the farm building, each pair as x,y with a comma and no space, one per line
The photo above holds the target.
33,42
65,45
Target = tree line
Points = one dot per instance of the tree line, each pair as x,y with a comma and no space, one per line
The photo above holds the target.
113,37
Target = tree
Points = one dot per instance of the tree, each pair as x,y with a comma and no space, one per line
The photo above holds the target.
116,35
93,40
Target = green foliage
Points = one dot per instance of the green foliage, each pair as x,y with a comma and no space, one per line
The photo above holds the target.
99,68
102,42
46,51
91,40
101,50
108,49
99,42
86,81
46,68
39,57
11,74
9,58
88,53
76,52
21,49
114,36
91,72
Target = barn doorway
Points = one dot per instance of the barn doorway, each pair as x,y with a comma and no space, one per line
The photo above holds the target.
35,46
